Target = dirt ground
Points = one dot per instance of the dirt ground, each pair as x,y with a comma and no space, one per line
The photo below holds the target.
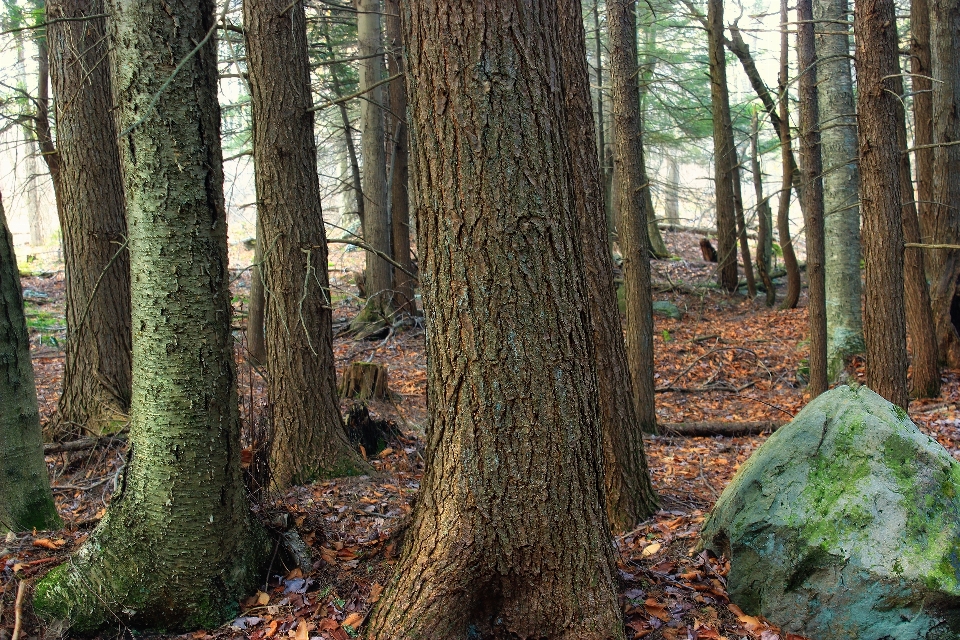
727,359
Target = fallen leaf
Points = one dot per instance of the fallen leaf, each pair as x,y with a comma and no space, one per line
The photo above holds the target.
353,620
656,609
375,592
272,629
45,543
262,598
303,633
650,549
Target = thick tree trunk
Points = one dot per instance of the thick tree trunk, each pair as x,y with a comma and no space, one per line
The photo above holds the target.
399,178
308,437
177,547
841,181
884,327
944,228
724,153
25,499
96,376
789,169
925,382
629,495
812,194
509,537
631,206
376,224
764,216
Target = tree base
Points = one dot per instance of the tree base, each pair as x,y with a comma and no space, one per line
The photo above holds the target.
364,381
373,322
372,435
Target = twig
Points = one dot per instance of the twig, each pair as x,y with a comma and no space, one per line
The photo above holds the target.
18,610
324,105
920,245
363,245
54,21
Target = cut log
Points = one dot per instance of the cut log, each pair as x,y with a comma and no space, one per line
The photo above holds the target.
364,381
699,429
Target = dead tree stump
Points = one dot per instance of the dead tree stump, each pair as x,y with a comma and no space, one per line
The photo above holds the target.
364,381
709,253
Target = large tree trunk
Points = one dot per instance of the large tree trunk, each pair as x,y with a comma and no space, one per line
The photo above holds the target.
841,181
96,375
884,327
944,227
789,170
629,495
724,153
25,499
177,547
631,206
812,197
308,437
403,283
509,537
922,89
376,225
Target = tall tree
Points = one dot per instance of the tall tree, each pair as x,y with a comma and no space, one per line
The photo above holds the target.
920,79
177,547
647,64
725,157
812,196
376,227
308,437
789,170
943,224
884,327
96,375
25,499
841,181
509,537
764,215
631,206
629,494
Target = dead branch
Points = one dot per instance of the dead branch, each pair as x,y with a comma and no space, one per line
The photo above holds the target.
704,429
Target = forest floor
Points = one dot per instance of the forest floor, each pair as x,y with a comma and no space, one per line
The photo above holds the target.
726,360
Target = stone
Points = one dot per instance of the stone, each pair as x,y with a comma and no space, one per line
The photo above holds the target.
667,309
845,523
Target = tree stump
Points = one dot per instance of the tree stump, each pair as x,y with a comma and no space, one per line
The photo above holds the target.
364,381
709,253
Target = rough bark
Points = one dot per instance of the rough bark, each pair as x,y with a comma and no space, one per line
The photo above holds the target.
25,499
884,324
509,537
925,380
789,169
257,308
177,547
742,223
841,180
944,227
629,494
631,206
723,150
308,437
764,216
376,224
812,197
920,79
403,283
96,376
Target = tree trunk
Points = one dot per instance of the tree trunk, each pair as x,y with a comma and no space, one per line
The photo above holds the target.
629,494
944,228
655,241
403,283
789,167
631,206
812,195
841,180
925,382
257,309
375,315
509,537
741,222
671,199
884,327
177,547
96,376
764,216
922,89
723,151
25,499
308,437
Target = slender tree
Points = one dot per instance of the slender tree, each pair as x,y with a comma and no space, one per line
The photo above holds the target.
25,499
308,437
741,222
509,537
764,215
920,79
789,169
812,195
884,327
631,206
177,547
96,375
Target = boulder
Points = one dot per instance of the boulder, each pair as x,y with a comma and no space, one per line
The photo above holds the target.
667,309
845,524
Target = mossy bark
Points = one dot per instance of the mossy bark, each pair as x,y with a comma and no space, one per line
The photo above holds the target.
177,548
509,537
25,498
309,441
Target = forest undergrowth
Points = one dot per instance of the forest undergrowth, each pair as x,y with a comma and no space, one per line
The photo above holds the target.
726,361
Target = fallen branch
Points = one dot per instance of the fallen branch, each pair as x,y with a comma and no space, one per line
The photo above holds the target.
18,610
82,444
701,429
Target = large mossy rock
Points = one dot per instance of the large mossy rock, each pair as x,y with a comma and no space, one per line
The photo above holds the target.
845,524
